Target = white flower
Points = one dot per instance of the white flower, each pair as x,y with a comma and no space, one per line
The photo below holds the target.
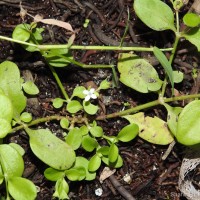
99,192
90,94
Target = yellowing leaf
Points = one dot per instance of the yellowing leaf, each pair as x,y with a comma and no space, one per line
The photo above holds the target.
152,129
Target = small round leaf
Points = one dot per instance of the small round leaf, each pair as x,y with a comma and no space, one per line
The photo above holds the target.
58,102
30,88
53,174
64,123
96,131
94,163
90,108
89,143
74,106
191,19
26,117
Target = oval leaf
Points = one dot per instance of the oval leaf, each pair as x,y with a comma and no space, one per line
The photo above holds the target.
6,108
128,133
94,163
113,153
96,131
191,19
137,73
90,108
74,106
21,188
76,173
5,127
74,138
30,88
11,161
50,149
188,124
89,143
53,174
155,14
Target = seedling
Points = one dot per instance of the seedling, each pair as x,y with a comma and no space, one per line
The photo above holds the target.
82,130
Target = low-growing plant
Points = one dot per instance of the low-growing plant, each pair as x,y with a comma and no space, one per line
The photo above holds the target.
82,130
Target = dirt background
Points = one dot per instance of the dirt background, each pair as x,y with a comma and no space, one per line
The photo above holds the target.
151,177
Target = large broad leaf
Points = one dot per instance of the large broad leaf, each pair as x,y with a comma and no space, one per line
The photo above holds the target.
188,131
10,83
137,73
193,36
155,14
21,188
152,129
50,149
11,161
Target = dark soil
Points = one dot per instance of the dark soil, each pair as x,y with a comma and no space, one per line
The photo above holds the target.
151,177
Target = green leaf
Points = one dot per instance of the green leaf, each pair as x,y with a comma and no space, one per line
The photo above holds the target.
84,130
191,19
128,133
18,148
172,117
30,88
83,162
58,102
26,117
90,108
1,175
152,129
94,163
89,143
113,153
61,189
74,106
21,32
64,123
155,14
104,85
6,108
58,57
50,149
76,173
53,174
78,92
137,73
165,63
188,124
193,36
21,188
5,127
96,131
74,138
103,150
10,83
11,161
117,164
178,76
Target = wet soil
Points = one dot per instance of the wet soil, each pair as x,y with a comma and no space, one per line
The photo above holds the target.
151,177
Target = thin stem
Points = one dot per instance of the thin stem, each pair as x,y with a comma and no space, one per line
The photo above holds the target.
147,105
59,82
76,47
113,115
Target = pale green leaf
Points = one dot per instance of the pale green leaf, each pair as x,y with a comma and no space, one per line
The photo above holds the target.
64,123
26,117
53,174
30,88
128,133
193,36
94,163
61,189
191,19
18,148
83,162
21,32
74,106
6,108
10,83
96,131
178,76
137,73
78,92
50,149
58,102
90,108
188,132
155,14
76,173
21,188
74,138
117,164
89,143
5,127
11,161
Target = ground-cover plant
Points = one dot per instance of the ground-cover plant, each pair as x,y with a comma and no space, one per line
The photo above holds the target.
82,130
